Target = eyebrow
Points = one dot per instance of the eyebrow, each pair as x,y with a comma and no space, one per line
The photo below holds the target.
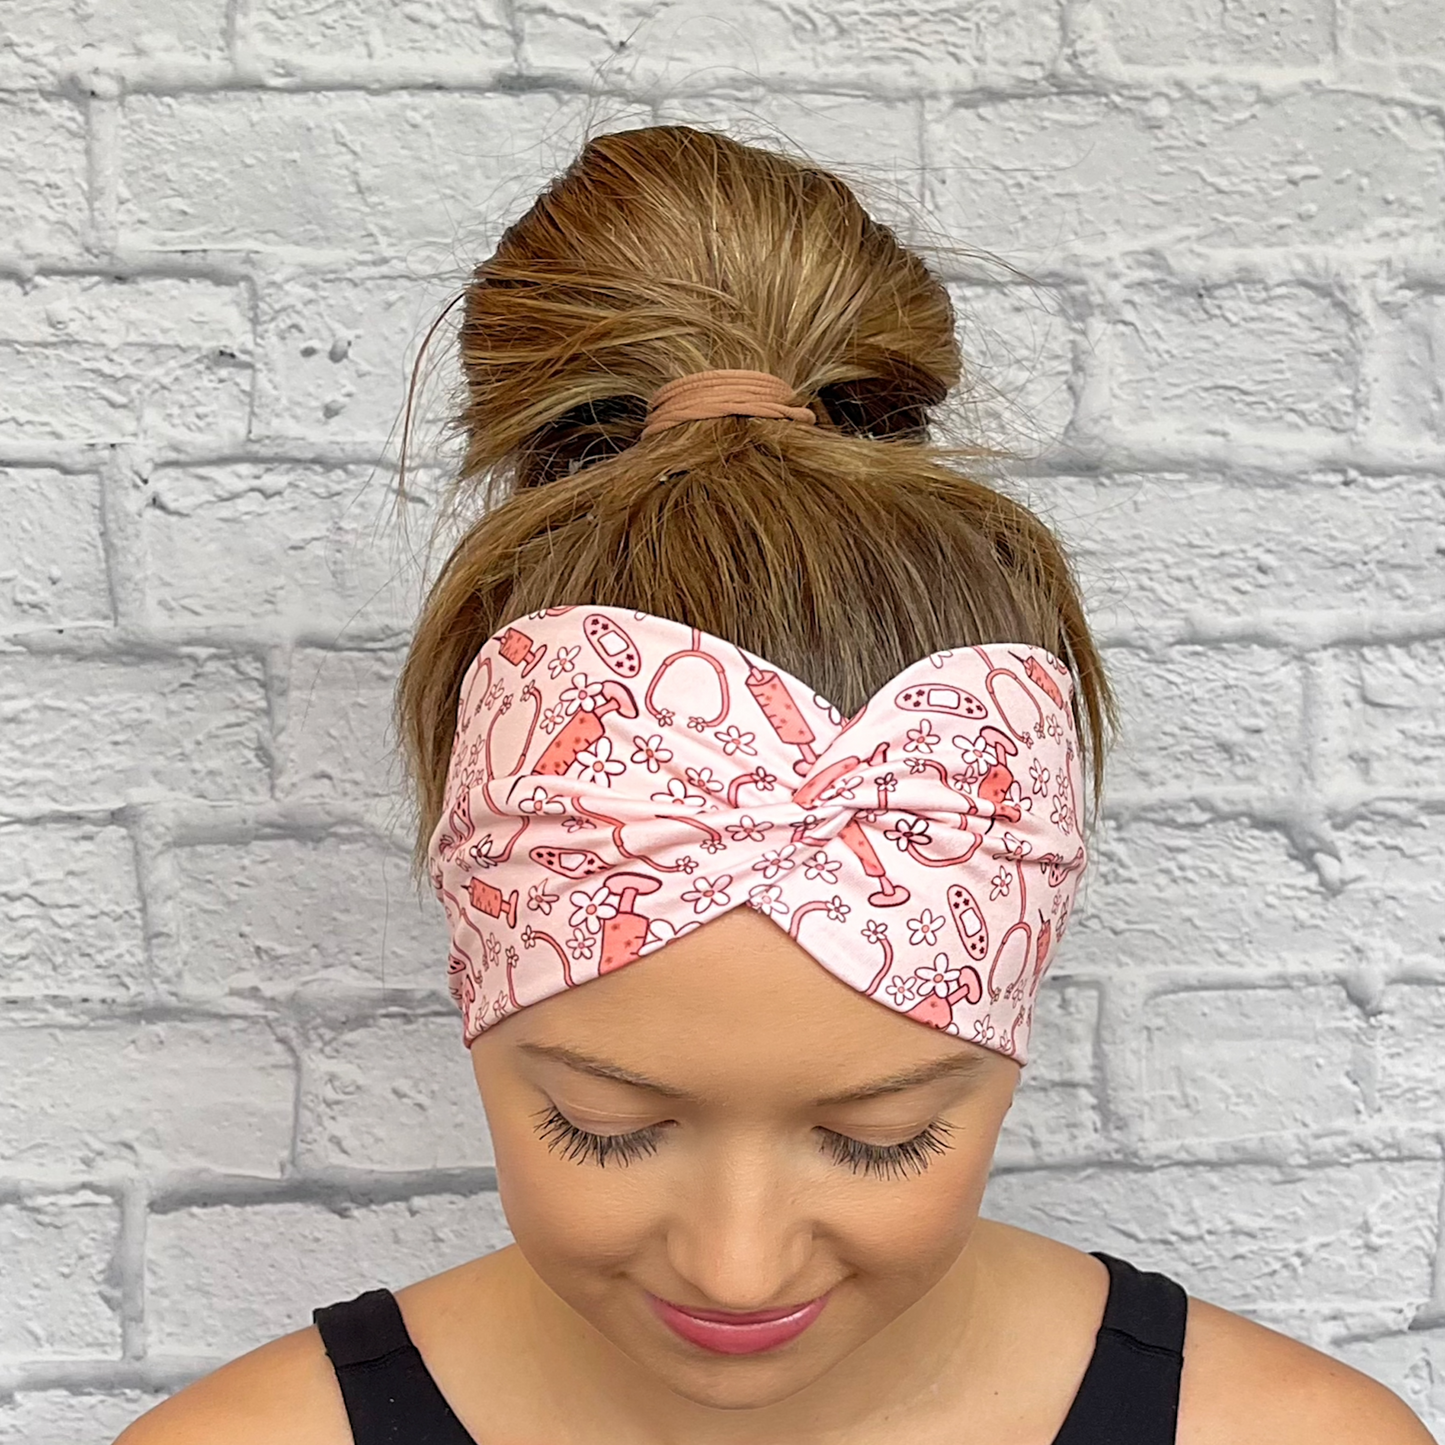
959,1065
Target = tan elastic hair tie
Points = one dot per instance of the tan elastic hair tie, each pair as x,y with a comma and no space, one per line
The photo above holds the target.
723,392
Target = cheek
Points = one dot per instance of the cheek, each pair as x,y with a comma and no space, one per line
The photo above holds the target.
907,1233
566,1216
916,1228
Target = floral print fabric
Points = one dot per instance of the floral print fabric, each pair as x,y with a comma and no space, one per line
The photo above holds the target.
619,779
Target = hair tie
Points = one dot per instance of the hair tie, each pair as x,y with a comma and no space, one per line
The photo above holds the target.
723,392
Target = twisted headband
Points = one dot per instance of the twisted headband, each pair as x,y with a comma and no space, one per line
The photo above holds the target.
618,779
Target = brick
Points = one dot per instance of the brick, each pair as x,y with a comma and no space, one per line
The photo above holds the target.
1407,30
337,741
100,731
1056,1107
63,1417
878,42
1407,401
89,358
52,566
1410,1042
1224,1063
43,202
1026,177
1018,356
1244,1236
146,312
349,171
1197,896
396,1094
379,30
1196,716
210,1095
1382,728
1192,897
1276,32
280,543
1409,1364
1245,355
72,922
1392,902
55,1253
288,913
1328,542
335,355
274,1263
60,31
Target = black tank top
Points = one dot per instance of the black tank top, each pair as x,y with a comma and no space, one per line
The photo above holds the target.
1129,1394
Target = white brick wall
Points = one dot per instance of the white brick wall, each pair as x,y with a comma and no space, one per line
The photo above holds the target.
230,1084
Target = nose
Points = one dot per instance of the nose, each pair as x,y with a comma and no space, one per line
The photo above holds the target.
739,1240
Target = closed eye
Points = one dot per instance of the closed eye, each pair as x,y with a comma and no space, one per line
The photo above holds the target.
911,1156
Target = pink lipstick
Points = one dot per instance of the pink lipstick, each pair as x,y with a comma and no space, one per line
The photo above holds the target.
727,1332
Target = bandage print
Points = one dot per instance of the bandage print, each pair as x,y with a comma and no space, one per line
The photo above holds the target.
618,779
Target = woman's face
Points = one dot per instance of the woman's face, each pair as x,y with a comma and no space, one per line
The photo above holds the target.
709,1126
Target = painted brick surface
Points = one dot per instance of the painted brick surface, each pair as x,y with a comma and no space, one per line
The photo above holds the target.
54,1258
64,881
253,544
58,1417
1355,543
337,740
1235,356
286,913
331,351
1280,32
350,171
229,1070
272,1263
213,1095
374,29
83,358
96,731
42,173
1250,1234
1226,165
398,1094
54,568
889,43
1397,28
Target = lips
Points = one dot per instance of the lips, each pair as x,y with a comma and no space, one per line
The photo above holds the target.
728,1332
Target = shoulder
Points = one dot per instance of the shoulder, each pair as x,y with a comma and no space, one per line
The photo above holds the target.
284,1393
1243,1381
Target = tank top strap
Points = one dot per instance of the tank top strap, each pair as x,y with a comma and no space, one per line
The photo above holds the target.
1130,1391
390,1396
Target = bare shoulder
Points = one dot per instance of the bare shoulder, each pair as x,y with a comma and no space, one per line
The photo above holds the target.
284,1393
1243,1382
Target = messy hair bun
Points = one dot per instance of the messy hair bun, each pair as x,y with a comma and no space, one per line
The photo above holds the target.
841,552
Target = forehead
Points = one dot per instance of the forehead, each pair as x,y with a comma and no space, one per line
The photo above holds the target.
735,1003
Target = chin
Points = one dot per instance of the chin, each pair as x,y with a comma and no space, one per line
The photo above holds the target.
737,1382
731,1382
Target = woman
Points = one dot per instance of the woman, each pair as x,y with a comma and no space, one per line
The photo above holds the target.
731,632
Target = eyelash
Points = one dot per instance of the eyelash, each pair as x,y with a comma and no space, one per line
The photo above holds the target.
889,1160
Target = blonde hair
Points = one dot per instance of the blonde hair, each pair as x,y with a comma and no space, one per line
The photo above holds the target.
841,552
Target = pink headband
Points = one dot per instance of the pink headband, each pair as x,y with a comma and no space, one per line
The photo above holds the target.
618,779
